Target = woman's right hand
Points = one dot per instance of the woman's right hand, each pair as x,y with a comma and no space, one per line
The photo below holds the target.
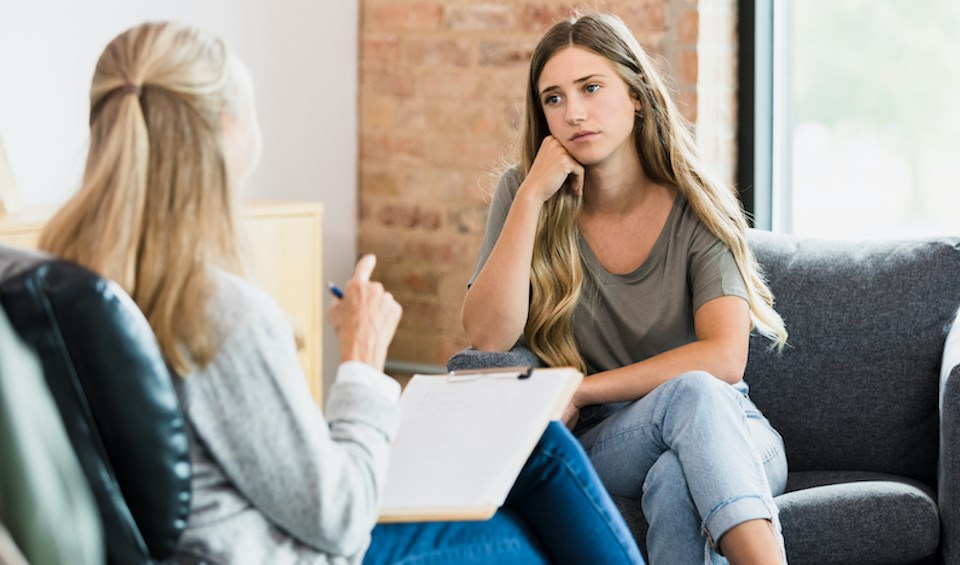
551,169
366,318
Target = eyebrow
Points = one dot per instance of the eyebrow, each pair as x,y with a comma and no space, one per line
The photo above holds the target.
578,81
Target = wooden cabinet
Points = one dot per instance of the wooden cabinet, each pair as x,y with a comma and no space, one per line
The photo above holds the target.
284,244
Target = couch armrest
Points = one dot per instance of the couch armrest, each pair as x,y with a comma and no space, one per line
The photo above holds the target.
948,471
470,358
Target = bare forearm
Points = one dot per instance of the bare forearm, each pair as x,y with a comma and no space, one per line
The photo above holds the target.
495,308
639,379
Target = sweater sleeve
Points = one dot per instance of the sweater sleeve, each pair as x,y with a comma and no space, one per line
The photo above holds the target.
319,480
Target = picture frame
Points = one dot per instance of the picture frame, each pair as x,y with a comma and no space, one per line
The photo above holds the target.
10,202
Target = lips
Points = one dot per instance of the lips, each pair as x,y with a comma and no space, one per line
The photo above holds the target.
582,136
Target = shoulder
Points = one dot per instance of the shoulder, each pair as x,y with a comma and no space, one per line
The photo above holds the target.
691,229
509,183
237,305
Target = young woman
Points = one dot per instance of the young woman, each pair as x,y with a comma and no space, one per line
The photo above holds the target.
173,133
611,249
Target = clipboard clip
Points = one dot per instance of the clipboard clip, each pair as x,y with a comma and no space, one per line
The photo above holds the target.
469,375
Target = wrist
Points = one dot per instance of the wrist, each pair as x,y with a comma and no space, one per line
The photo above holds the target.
531,194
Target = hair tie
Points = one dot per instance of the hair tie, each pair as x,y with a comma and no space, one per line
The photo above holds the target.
130,88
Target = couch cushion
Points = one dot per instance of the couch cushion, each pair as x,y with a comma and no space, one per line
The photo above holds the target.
840,518
856,517
115,395
857,386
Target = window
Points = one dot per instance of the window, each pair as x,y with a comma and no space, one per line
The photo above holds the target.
860,114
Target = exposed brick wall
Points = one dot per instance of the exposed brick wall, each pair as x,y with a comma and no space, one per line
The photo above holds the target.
441,92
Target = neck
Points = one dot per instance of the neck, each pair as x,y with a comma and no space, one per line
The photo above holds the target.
616,186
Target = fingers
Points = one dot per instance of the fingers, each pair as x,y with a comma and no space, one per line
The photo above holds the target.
365,267
552,169
576,178
366,318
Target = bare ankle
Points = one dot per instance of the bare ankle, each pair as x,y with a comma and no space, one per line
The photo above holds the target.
752,543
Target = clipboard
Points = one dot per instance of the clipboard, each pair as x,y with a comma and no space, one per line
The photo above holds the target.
464,438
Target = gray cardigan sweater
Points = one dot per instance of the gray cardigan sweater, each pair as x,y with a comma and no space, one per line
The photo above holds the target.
273,480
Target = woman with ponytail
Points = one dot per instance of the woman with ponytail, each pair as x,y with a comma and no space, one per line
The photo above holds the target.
173,135
610,248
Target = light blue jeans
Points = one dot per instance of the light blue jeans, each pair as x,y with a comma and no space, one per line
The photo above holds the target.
699,455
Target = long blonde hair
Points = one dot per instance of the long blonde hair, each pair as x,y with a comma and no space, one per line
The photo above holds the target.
155,210
668,155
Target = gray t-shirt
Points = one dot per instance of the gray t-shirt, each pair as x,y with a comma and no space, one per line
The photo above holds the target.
623,319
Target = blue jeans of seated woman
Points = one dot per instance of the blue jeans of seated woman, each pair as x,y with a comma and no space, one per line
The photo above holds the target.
699,455
557,512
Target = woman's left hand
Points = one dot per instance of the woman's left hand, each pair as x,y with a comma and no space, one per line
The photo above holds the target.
571,414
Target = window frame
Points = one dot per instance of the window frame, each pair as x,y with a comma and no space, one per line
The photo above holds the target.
763,168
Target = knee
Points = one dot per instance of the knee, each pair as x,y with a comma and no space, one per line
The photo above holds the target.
665,470
558,439
696,384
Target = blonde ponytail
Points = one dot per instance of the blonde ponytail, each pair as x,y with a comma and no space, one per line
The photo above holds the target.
155,210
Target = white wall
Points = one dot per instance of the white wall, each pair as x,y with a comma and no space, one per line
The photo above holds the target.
303,57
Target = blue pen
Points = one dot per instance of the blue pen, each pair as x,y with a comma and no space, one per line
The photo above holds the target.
334,290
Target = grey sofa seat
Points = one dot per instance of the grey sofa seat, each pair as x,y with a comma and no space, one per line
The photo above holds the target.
866,396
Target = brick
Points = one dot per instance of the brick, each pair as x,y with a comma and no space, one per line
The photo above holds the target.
409,216
413,346
687,103
389,82
479,17
454,117
424,183
461,84
447,250
385,115
420,314
643,17
377,52
383,243
687,61
448,345
453,288
402,16
431,51
373,182
464,152
506,83
402,148
538,18
467,220
506,52
688,27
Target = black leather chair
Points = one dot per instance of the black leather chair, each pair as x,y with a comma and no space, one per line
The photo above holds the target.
115,396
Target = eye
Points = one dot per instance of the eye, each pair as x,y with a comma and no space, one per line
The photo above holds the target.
551,100
591,88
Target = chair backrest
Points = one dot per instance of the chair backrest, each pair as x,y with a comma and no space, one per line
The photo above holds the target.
116,398
45,500
857,386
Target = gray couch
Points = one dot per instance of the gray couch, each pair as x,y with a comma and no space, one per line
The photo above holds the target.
866,396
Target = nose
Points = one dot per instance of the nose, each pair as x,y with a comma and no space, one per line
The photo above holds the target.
575,111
